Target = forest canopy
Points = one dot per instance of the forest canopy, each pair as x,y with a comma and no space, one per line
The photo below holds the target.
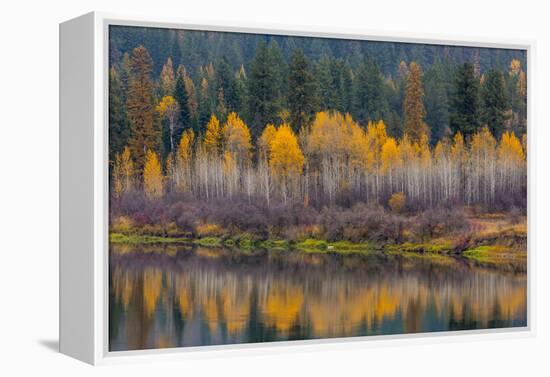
315,121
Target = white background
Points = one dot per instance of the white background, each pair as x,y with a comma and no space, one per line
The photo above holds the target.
29,185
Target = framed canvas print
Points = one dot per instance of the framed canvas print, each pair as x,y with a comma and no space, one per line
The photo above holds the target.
225,187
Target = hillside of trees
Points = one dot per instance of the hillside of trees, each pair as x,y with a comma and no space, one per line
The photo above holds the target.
310,122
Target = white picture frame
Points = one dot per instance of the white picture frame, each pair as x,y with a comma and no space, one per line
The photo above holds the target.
84,192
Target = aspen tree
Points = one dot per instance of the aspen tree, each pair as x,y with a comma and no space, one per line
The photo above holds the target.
152,176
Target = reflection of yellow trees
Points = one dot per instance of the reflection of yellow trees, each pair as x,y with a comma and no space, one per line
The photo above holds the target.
152,284
282,305
333,307
236,308
123,286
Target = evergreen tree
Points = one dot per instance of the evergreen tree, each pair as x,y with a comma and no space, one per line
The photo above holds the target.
465,102
494,102
436,101
263,82
118,125
328,91
369,101
225,80
302,96
180,94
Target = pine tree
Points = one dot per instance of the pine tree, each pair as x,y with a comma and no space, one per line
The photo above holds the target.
144,134
465,105
413,105
264,102
180,94
369,101
494,102
302,96
436,100
118,124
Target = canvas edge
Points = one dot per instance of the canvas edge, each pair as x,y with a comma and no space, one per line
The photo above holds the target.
76,179
102,356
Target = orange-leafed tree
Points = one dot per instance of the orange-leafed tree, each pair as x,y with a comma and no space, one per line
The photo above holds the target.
413,104
144,133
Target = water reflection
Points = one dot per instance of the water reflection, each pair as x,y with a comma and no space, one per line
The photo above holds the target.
176,296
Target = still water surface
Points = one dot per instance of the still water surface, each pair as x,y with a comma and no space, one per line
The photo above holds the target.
175,296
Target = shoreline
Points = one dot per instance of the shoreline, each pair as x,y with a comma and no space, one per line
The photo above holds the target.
505,246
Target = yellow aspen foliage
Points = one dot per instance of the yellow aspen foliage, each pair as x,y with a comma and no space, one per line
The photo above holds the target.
213,136
515,67
358,147
167,106
268,134
229,165
483,143
524,143
458,150
287,159
236,139
185,146
442,150
324,135
510,149
407,151
390,155
152,176
376,138
425,153
123,173
397,202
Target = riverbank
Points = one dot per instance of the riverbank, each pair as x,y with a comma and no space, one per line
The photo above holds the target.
494,240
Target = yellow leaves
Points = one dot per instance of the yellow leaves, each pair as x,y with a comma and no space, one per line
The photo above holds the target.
267,137
458,150
483,143
168,106
510,149
152,176
185,146
123,173
236,139
376,138
515,67
213,137
286,157
390,155
229,165
397,202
